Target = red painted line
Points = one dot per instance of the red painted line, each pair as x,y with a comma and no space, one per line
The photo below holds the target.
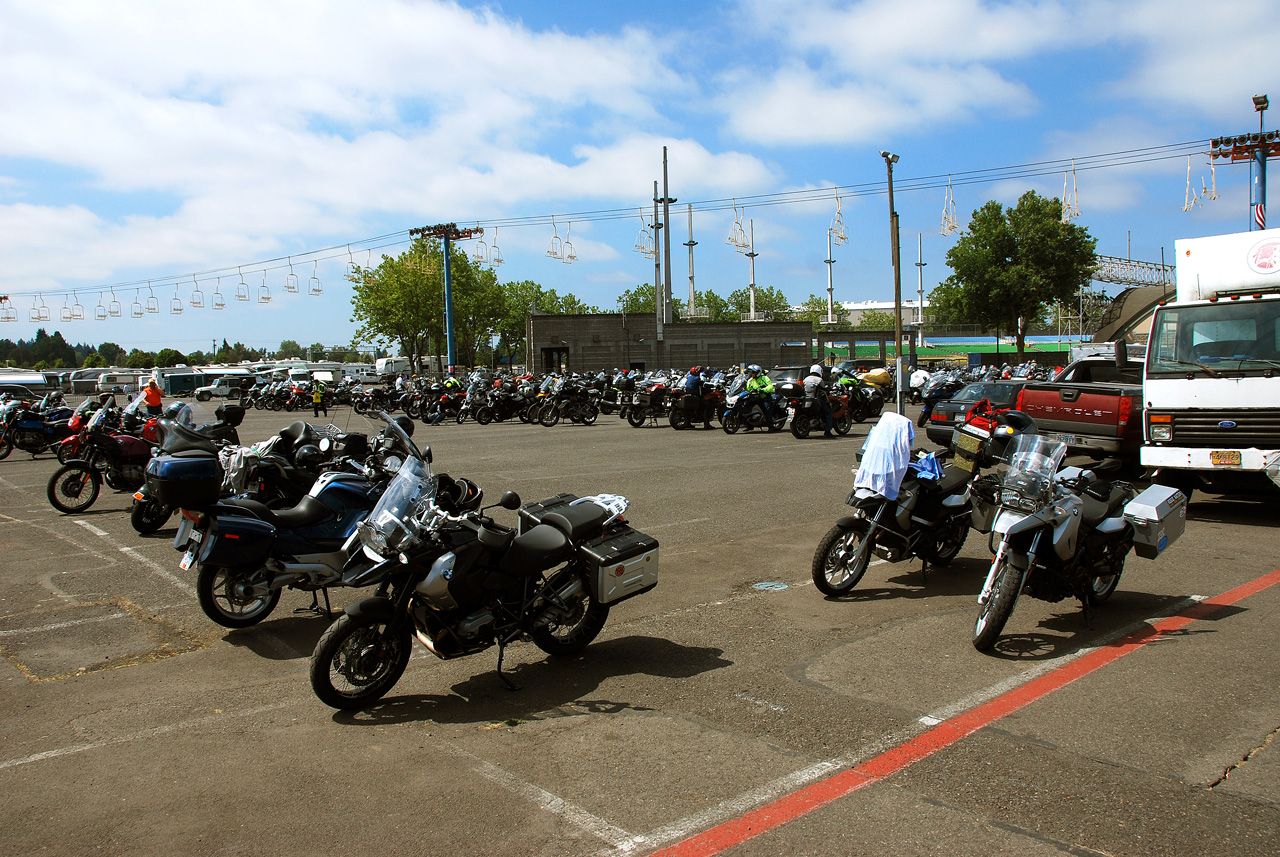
790,807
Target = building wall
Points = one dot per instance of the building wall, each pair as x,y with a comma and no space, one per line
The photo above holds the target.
583,343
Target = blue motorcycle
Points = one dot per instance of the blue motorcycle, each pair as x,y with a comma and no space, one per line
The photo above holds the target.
36,428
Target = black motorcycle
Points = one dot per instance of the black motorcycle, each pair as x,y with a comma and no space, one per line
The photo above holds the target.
462,583
940,387
36,428
931,514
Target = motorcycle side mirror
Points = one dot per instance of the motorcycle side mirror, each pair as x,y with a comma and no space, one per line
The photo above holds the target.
509,500
426,453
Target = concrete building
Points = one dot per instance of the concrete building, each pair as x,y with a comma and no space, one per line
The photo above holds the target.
589,343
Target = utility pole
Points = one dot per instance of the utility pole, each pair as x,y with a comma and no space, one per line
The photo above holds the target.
751,225
889,161
693,295
447,232
666,242
659,298
1254,148
831,261
920,291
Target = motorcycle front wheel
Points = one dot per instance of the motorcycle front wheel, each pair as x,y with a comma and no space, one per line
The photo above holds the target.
357,660
843,424
834,569
6,447
65,453
730,423
147,516
584,620
999,606
217,590
635,418
550,416
73,488
484,415
923,419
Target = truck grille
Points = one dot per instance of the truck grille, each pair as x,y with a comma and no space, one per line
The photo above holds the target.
1260,428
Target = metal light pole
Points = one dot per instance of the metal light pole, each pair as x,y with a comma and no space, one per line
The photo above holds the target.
1258,171
666,243
920,292
447,232
831,261
889,161
751,227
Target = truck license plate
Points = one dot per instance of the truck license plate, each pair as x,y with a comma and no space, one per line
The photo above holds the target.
1225,458
1068,439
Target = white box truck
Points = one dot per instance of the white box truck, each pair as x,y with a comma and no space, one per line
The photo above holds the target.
1212,380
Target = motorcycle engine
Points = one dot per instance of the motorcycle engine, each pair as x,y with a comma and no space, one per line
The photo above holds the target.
29,441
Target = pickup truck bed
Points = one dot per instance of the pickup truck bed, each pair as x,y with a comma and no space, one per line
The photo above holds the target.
1096,418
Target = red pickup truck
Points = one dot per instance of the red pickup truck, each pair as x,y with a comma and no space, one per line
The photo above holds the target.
1094,405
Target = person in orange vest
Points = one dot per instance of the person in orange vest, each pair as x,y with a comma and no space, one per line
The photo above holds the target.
154,398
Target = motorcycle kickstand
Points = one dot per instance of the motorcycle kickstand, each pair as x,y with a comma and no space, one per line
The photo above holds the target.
502,650
314,606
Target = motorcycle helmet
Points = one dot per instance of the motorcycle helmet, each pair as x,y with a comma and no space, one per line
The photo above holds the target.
172,410
457,495
754,369
309,456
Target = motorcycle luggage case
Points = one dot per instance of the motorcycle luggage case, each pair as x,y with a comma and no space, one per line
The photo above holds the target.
1158,516
624,562
531,513
185,480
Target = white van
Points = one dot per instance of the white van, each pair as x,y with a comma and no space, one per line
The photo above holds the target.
121,382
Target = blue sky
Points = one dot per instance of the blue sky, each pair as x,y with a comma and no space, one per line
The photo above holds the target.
154,141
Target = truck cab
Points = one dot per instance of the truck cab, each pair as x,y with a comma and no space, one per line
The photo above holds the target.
1212,379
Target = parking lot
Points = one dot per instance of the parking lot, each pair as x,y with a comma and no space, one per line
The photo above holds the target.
733,709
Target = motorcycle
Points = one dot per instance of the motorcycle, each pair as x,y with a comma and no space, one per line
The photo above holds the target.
940,387
1061,534
117,459
749,410
650,401
462,583
247,553
148,514
572,400
806,414
36,428
700,405
931,512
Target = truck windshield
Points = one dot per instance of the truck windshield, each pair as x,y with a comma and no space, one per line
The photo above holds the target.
1233,336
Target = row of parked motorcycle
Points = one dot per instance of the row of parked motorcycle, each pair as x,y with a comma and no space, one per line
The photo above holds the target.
313,508
681,399
1054,532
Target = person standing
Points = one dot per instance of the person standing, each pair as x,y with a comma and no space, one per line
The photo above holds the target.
317,399
153,398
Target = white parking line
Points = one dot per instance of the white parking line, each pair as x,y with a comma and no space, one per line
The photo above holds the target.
57,625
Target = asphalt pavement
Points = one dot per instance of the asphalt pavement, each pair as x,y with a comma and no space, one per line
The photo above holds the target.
732,710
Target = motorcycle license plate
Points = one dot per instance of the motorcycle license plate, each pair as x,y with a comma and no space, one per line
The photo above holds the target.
187,558
1224,457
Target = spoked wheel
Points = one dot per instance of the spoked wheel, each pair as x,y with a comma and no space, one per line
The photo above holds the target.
582,621
999,606
461,417
947,542
836,566
66,452
590,414
147,516
358,660
843,423
730,422
225,597
73,488
549,416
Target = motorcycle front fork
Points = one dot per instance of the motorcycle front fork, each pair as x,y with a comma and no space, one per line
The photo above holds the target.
995,563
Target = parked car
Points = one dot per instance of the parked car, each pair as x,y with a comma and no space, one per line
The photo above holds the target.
949,413
224,388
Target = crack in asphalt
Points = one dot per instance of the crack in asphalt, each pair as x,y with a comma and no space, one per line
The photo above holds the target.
1231,769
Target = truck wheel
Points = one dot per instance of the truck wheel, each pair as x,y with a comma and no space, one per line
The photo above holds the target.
203,397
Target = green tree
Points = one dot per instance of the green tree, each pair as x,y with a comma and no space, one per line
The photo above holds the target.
139,359
768,300
197,358
288,349
111,353
169,357
717,309
520,299
1010,263
874,319
317,352
94,360
638,301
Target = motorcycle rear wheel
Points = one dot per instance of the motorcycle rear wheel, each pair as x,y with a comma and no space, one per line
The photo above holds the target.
999,607
73,488
843,424
484,415
357,660
584,623
800,426
730,423
360,406
946,545
6,447
590,414
227,608
831,569
65,453
635,418
147,516
679,419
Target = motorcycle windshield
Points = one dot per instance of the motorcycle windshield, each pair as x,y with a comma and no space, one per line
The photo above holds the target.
135,408
1033,459
96,420
391,520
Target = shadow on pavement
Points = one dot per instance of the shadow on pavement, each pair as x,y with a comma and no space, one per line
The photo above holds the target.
299,633
547,686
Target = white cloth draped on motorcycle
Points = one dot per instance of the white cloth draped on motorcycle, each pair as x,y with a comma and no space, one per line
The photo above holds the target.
885,455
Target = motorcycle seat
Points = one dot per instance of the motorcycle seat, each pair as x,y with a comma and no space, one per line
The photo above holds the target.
579,522
541,547
1096,511
308,512
179,438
